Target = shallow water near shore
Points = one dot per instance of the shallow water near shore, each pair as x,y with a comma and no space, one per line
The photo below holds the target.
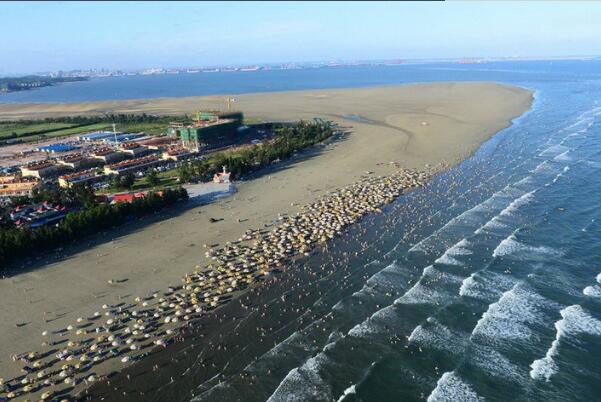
483,285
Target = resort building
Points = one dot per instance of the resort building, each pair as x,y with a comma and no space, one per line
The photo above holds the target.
133,149
86,176
77,161
178,153
133,165
108,155
158,143
41,169
14,186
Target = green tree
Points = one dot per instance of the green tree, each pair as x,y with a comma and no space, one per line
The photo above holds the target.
184,173
128,180
152,178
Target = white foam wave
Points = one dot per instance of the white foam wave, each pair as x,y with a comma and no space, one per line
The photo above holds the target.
592,291
303,383
460,248
508,317
554,150
542,167
451,388
492,225
467,216
448,260
517,203
433,334
563,157
349,391
525,180
574,321
510,246
420,294
598,278
485,285
374,324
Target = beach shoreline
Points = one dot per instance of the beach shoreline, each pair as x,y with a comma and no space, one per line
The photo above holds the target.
405,125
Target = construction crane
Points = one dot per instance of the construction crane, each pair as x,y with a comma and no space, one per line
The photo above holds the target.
115,134
228,103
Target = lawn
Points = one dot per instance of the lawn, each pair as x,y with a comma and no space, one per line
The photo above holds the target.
31,132
166,179
12,130
27,132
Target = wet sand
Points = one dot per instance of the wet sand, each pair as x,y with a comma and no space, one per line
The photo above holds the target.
411,125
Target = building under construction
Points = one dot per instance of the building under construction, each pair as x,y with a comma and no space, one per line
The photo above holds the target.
209,128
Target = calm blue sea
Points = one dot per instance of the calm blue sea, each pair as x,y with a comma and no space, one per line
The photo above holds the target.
176,85
483,286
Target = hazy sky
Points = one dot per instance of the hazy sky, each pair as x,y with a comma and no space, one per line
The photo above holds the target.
48,36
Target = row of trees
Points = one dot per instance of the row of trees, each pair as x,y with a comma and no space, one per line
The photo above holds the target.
18,243
288,140
120,118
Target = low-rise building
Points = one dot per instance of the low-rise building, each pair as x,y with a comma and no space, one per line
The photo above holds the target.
35,215
85,176
127,197
133,149
108,155
41,169
133,165
14,186
178,153
157,143
97,136
77,161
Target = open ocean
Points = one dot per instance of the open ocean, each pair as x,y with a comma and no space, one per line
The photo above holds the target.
485,285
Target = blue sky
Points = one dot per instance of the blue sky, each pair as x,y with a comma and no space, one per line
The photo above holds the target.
49,36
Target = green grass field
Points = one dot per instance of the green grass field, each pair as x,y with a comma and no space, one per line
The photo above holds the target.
26,132
13,130
37,132
166,179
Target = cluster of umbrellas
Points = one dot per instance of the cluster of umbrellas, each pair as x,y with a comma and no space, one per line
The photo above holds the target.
127,332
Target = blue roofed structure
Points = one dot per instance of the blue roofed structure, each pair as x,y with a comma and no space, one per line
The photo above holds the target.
97,136
56,148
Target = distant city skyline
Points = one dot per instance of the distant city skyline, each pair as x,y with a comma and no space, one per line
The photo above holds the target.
129,36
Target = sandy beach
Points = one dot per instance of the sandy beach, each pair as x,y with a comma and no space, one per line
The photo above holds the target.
410,125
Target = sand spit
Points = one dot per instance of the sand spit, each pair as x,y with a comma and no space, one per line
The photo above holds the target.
410,125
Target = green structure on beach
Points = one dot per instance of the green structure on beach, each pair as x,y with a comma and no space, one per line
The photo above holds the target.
209,127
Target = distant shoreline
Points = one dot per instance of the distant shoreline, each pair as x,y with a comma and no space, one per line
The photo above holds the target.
141,87
29,83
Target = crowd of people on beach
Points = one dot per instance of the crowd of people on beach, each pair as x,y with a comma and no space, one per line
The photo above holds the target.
129,331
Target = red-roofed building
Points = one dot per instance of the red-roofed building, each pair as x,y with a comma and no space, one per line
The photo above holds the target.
127,197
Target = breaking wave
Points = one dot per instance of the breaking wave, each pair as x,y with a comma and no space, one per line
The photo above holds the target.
574,321
451,388
510,246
